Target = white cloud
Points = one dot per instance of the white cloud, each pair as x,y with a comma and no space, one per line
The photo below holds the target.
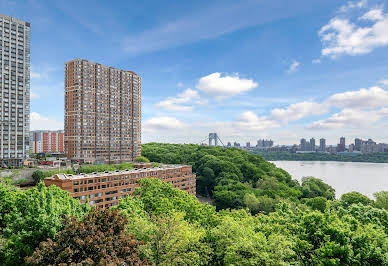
351,5
225,86
250,121
34,95
40,122
316,61
350,118
178,103
297,111
384,82
341,36
293,67
38,75
363,98
162,123
373,15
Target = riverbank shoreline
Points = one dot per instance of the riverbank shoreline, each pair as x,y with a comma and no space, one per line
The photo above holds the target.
360,158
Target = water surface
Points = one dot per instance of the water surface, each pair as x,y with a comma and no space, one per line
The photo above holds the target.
366,178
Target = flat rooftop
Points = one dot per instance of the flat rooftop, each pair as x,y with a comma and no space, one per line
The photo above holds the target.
118,172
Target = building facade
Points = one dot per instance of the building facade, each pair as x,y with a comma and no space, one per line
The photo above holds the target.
14,90
47,141
106,189
102,113
322,145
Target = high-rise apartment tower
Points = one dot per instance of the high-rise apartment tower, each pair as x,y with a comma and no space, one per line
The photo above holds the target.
102,113
14,90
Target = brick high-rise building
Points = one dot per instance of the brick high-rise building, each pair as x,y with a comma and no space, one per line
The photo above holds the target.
102,113
14,90
47,141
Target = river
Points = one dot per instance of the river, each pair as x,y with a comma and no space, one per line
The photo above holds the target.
344,177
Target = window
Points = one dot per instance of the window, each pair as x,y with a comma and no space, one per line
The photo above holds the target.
75,183
75,190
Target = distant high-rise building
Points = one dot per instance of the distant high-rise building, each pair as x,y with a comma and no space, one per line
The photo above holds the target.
248,144
236,144
322,144
312,144
351,147
357,144
341,147
47,141
262,143
303,145
229,144
14,90
102,113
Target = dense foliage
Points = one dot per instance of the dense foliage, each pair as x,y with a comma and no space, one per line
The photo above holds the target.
176,229
31,217
237,179
288,156
261,217
99,239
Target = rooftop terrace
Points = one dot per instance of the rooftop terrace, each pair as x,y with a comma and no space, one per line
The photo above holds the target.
117,172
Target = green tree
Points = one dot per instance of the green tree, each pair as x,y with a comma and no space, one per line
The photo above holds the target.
381,199
236,241
37,215
38,176
8,198
315,187
317,203
141,159
99,239
355,197
174,241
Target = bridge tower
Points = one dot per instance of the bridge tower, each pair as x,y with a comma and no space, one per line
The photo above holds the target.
213,137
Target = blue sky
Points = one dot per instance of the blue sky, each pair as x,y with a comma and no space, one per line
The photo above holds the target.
244,69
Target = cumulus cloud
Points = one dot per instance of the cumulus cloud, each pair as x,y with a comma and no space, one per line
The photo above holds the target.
363,98
41,122
384,82
225,86
297,111
250,121
373,15
350,118
162,123
293,67
341,36
179,103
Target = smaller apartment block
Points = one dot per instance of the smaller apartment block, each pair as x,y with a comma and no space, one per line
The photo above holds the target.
105,189
47,141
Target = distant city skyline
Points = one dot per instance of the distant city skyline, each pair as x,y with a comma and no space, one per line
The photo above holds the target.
240,69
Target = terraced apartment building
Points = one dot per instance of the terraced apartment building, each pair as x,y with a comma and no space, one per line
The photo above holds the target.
102,113
107,188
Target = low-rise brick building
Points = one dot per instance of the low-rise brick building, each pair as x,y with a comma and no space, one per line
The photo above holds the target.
105,189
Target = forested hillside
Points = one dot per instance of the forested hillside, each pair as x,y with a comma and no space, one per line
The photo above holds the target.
238,179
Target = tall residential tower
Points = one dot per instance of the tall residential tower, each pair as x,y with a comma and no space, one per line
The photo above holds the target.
14,90
102,113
